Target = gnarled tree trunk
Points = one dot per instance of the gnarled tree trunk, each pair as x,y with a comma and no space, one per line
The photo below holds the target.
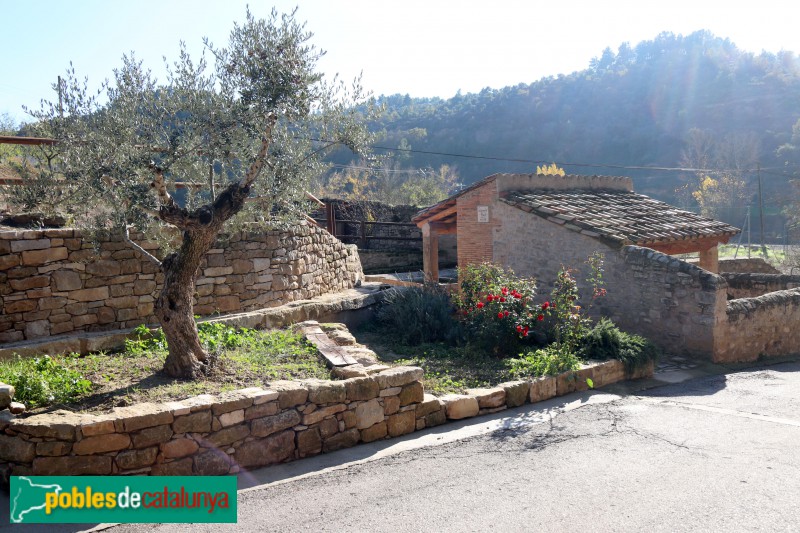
186,357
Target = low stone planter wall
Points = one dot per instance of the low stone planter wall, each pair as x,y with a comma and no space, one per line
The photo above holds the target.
255,427
750,285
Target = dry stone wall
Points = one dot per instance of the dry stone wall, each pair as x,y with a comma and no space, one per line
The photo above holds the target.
54,282
764,326
754,285
255,427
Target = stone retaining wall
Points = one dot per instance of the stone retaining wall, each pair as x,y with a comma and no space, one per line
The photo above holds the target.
748,285
53,282
255,427
765,326
747,265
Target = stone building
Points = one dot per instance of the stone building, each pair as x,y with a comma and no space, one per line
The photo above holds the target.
536,224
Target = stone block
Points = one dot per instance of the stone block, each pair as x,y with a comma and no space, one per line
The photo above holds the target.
320,414
262,427
489,398
516,392
309,442
32,244
401,423
41,257
229,419
177,448
328,427
398,376
56,425
346,439
89,295
212,463
322,392
102,444
72,465
430,404
150,436
368,413
566,382
52,448
17,450
181,467
33,282
130,459
273,449
143,415
375,432
412,393
261,410
542,388
460,406
104,268
227,436
20,306
6,395
391,404
199,422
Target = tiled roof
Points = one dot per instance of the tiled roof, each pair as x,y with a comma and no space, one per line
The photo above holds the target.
620,216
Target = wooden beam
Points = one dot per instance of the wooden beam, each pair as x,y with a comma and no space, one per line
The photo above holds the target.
35,141
688,246
430,253
444,229
439,215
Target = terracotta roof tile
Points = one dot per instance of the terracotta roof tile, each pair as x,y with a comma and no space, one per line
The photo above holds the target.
620,216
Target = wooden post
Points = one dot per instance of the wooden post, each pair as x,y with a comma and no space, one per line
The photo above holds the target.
430,253
709,259
330,218
363,235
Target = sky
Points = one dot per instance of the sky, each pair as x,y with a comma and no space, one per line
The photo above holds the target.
421,48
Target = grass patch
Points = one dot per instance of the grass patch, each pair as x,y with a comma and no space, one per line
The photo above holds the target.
447,368
246,358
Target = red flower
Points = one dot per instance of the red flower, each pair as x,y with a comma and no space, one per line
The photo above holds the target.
519,328
504,290
489,298
545,305
500,315
502,299
505,313
525,331
479,305
517,295
540,317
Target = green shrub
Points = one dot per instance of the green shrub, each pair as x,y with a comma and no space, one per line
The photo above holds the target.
498,308
548,361
414,315
606,341
43,381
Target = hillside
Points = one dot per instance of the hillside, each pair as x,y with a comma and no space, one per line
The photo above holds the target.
693,100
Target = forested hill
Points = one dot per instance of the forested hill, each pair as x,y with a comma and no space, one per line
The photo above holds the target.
634,107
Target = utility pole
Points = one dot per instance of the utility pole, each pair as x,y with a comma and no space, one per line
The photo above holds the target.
761,212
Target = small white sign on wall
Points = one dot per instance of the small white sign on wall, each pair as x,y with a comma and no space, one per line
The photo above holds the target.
483,213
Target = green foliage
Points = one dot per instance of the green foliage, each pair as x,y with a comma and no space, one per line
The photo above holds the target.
547,361
606,341
497,308
418,314
43,381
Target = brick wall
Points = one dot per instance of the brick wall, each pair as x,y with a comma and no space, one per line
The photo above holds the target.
54,282
475,239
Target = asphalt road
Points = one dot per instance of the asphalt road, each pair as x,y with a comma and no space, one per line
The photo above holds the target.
717,453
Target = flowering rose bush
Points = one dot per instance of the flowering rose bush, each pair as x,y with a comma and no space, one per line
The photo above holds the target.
497,307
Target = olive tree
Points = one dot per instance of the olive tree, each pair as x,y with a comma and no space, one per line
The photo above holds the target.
241,133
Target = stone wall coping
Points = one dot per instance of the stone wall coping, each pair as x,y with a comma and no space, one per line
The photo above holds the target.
748,306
